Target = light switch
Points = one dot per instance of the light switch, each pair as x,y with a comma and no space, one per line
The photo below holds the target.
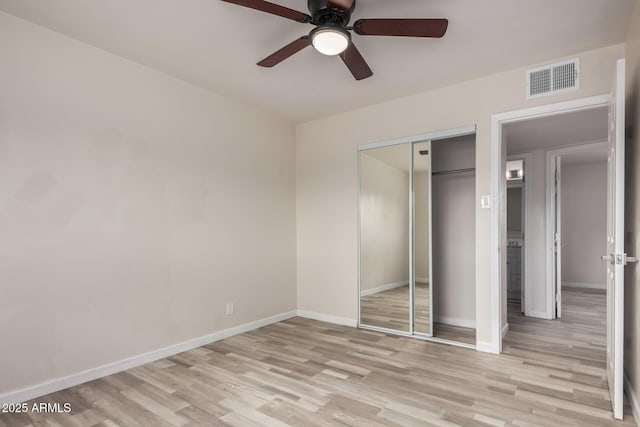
485,201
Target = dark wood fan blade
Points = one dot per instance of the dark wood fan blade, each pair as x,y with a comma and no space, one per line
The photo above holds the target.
356,63
284,53
401,27
274,9
341,4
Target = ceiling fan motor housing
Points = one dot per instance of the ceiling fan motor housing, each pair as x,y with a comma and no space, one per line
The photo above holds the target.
322,12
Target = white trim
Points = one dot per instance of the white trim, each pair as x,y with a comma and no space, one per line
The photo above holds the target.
344,321
505,329
463,323
633,398
600,286
422,280
552,109
51,386
495,249
487,347
539,315
383,288
497,120
441,134
550,207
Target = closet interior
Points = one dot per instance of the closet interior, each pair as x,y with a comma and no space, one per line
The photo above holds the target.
417,238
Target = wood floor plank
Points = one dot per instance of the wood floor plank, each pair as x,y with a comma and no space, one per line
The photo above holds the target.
390,309
303,372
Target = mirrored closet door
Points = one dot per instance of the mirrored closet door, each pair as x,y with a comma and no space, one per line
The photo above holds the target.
417,238
422,304
384,237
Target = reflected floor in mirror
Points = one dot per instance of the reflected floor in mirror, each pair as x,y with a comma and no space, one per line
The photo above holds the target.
390,309
386,309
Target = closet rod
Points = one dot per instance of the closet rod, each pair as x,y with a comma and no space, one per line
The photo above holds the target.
454,171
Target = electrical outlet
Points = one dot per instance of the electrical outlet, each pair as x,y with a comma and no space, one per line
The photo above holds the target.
229,308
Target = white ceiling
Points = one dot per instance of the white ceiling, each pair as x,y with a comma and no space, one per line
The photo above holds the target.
216,45
557,131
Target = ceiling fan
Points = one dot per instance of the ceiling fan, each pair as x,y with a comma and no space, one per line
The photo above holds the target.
331,35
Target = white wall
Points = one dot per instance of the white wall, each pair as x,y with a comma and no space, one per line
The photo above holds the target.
584,223
632,213
514,211
454,272
327,178
133,207
384,211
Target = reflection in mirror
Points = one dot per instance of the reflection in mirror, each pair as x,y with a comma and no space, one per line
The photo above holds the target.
384,237
421,239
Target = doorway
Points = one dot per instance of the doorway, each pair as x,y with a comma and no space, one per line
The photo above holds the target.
516,211
577,220
615,257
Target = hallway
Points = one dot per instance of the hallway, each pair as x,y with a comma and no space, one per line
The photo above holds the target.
572,349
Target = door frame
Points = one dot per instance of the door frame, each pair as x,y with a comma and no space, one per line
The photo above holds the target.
498,190
551,157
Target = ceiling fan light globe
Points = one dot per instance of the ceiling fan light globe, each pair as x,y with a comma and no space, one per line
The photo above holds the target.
330,41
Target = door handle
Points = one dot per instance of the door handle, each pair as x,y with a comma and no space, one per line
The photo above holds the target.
620,259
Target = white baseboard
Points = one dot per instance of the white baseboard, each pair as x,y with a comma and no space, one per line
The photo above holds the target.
32,392
633,398
344,321
463,323
382,288
505,329
538,314
584,285
487,347
422,280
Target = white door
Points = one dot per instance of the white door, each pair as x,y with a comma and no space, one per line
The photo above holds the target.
616,258
557,235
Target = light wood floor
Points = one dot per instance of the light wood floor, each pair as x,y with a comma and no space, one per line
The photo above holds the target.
390,309
307,373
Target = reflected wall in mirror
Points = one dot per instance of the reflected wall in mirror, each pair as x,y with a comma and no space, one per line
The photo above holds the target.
421,237
385,237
